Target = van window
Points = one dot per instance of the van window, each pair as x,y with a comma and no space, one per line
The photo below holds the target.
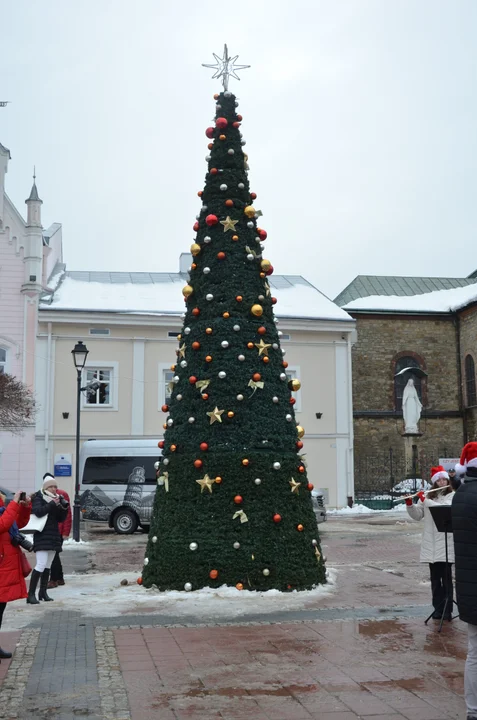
119,470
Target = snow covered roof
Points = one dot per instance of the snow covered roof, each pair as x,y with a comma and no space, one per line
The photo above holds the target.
439,301
161,294
368,285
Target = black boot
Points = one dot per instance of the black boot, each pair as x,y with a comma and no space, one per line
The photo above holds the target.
31,599
5,655
43,595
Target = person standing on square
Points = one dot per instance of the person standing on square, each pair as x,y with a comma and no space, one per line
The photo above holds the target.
464,526
56,573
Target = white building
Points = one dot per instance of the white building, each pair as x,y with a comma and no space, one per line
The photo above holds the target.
129,322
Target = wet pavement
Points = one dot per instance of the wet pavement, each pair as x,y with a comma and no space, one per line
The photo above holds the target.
361,652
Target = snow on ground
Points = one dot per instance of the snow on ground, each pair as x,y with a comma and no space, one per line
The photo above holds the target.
102,595
358,509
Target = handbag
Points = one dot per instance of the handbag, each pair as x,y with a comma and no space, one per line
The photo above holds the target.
35,524
25,565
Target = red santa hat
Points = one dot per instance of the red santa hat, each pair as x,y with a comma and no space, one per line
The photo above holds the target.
468,458
439,473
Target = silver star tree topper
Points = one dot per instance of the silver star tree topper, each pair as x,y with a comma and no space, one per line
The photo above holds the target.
225,67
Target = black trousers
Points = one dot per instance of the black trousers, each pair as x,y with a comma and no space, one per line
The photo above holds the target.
2,609
56,571
441,584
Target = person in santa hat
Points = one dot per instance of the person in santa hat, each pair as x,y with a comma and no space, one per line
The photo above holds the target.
464,526
433,548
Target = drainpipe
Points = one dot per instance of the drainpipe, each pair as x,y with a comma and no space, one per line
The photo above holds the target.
350,458
47,401
456,321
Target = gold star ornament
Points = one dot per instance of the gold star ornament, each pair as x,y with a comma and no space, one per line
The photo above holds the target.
181,351
215,415
295,486
205,483
228,224
262,347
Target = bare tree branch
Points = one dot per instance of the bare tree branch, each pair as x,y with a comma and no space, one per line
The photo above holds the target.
17,404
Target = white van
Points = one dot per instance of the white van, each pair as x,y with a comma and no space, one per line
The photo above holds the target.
118,482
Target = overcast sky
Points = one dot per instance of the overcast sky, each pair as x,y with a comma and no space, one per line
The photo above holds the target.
360,118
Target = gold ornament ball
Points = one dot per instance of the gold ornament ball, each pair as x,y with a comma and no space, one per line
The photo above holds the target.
249,211
239,586
208,358
299,528
208,331
257,310
187,291
195,249
230,414
294,384
300,430
265,265
245,462
226,315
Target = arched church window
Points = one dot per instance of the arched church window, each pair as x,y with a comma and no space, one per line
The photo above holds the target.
400,381
470,381
3,360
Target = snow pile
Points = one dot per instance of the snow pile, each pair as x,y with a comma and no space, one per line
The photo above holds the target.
70,543
436,301
358,509
299,300
102,595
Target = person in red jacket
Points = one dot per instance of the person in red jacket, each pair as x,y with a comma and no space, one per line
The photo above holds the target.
56,573
12,582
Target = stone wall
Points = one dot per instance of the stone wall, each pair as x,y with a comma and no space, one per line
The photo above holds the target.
468,342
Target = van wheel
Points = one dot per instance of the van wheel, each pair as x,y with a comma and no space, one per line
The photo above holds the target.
125,522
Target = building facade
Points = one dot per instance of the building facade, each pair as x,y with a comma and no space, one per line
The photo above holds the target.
130,322
28,255
426,323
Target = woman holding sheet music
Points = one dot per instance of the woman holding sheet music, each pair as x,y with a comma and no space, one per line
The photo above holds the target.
433,549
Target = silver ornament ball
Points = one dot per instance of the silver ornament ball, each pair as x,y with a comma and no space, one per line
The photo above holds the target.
241,186
206,270
250,224
192,420
183,363
223,187
165,462
266,572
275,399
157,465
207,239
288,418
283,376
179,397
241,358
186,330
236,545
146,561
154,539
258,481
170,422
224,344
239,397
193,546
236,328
188,587
250,257
231,151
222,374
209,297
276,466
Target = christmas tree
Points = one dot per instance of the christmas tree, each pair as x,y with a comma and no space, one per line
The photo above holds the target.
233,504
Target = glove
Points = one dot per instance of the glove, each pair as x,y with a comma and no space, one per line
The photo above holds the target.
409,502
421,496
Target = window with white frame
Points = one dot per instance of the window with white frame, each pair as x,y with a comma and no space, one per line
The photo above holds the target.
292,372
106,393
165,389
3,360
100,379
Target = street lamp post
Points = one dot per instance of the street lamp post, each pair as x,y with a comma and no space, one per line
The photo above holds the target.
79,353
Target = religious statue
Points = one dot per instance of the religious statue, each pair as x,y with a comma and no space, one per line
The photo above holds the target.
411,408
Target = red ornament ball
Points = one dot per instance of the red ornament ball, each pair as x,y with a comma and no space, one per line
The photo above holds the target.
256,377
301,468
192,379
198,463
239,117
299,444
277,518
300,528
210,146
139,581
204,446
238,499
236,124
262,234
239,298
270,270
274,300
221,256
285,364
310,486
211,220
216,96
165,408
210,132
200,193
195,345
262,330
195,312
222,137
214,574
213,171
205,396
221,123
229,203
160,444
292,401
253,195
196,226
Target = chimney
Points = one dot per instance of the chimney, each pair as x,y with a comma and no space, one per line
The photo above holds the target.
185,261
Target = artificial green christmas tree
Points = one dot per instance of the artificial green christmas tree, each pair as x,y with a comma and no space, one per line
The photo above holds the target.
233,504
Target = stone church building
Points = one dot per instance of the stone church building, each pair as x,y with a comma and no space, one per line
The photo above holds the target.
402,322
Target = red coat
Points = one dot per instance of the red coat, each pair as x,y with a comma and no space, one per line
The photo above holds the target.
12,582
65,526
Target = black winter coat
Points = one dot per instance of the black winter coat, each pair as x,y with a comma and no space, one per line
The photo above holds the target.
50,537
464,524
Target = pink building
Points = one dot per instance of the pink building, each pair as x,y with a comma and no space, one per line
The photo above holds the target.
28,258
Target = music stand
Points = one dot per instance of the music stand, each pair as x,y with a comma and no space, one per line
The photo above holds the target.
442,516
